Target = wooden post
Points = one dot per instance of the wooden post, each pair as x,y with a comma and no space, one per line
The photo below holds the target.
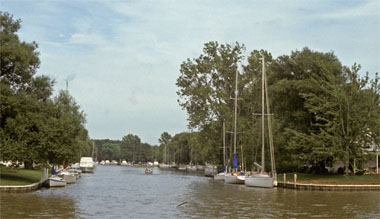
295,180
377,162
284,178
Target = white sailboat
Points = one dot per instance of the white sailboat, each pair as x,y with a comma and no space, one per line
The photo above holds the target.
232,178
263,179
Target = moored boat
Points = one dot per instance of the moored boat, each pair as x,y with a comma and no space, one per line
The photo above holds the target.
87,165
220,176
232,178
56,181
260,180
191,168
263,179
182,167
68,177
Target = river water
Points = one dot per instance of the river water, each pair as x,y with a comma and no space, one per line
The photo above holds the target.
126,192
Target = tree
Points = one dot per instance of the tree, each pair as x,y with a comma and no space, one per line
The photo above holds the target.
324,108
33,126
129,147
164,141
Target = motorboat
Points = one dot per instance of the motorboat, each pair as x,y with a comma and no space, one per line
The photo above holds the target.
56,181
68,177
191,168
182,167
87,165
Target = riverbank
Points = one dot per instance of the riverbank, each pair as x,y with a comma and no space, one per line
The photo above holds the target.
331,179
19,177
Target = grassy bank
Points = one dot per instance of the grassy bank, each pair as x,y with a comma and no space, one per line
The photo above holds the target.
331,179
18,177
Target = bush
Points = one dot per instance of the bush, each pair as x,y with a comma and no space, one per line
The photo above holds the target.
359,173
341,170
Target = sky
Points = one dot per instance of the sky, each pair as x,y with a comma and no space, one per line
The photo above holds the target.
122,58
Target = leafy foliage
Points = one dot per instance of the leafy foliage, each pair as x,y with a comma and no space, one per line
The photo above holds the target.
34,126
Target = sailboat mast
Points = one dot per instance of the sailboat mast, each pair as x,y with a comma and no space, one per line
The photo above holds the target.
236,95
235,120
224,145
262,116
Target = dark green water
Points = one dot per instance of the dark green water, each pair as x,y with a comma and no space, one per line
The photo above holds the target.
126,192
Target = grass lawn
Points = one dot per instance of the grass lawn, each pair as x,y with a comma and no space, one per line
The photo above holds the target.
17,177
332,179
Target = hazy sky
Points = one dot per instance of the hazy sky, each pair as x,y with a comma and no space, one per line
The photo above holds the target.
122,58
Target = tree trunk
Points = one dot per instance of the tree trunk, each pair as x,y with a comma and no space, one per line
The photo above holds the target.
28,165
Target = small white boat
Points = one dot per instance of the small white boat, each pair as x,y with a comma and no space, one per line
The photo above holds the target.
191,168
230,178
182,167
124,163
68,177
56,181
87,165
201,167
163,165
74,172
220,176
260,180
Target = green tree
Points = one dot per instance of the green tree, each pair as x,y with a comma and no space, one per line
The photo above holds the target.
164,141
33,126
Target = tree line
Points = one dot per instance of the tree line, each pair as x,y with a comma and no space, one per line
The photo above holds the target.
323,111
130,148
35,126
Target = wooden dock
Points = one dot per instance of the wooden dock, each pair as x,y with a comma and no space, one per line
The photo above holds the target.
301,186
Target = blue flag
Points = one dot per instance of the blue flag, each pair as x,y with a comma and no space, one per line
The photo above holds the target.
235,162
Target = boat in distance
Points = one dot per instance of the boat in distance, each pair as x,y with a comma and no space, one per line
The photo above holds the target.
87,165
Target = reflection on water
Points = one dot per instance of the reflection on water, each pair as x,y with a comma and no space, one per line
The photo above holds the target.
37,205
120,191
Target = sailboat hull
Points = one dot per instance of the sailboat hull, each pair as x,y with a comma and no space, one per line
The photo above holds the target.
219,176
232,179
259,180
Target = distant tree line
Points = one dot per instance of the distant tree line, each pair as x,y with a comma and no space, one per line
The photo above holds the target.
130,148
35,127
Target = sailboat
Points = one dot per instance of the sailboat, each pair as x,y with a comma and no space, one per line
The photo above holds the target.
263,179
234,177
